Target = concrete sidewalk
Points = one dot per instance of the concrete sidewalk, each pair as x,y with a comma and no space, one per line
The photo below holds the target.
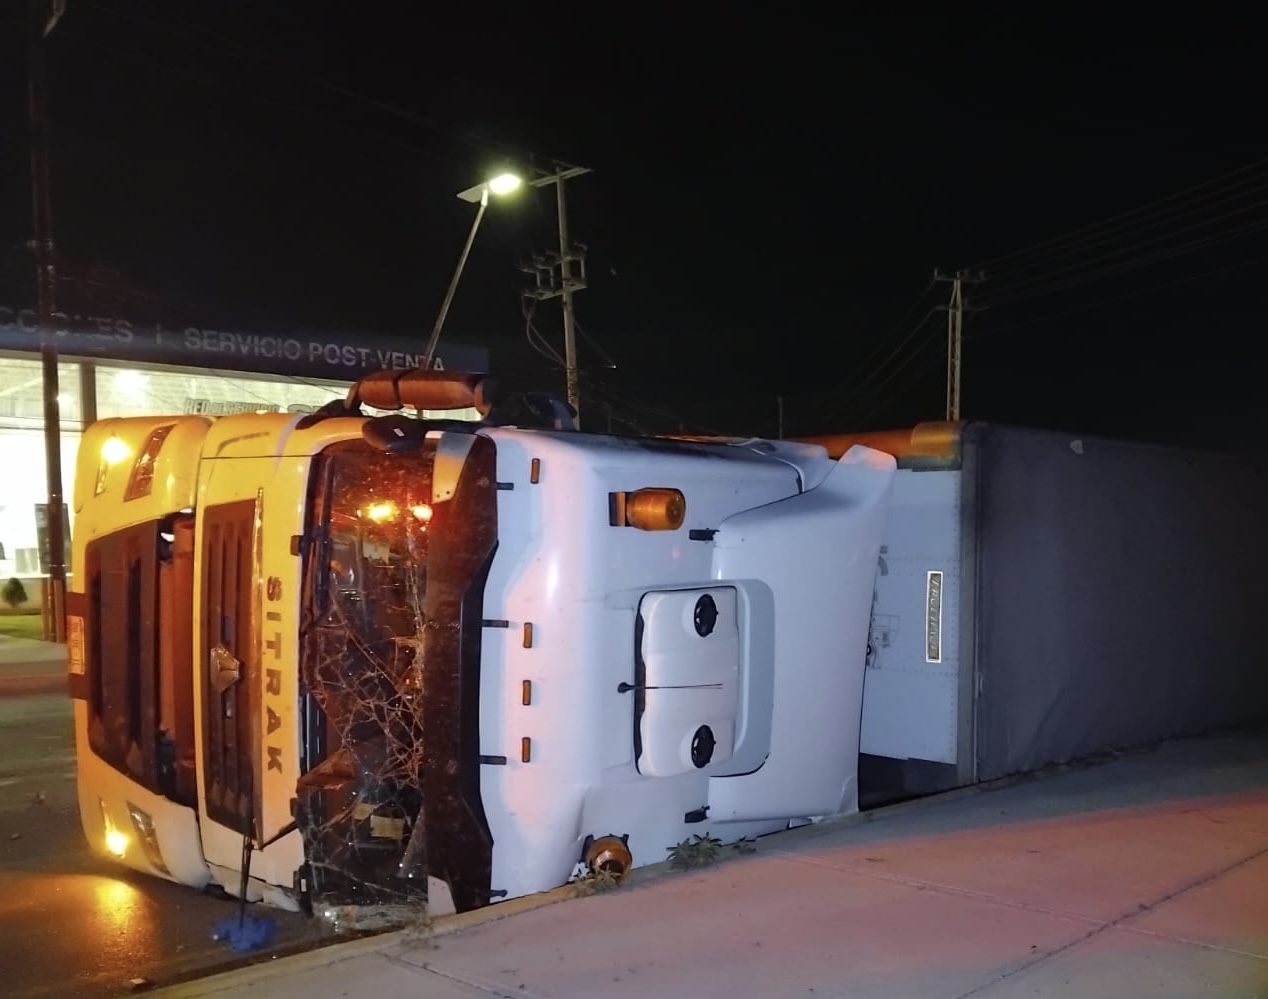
31,667
1144,876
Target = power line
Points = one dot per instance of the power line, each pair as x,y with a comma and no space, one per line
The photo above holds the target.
611,412
995,262
926,360
830,399
190,74
630,403
1170,253
861,391
528,306
1229,233
956,312
608,361
1092,306
1128,233
215,42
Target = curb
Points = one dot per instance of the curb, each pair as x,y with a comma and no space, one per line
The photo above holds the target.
265,969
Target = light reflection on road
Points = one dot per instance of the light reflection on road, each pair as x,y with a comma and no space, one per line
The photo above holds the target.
74,924
121,909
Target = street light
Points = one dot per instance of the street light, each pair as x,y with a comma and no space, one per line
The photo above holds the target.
502,184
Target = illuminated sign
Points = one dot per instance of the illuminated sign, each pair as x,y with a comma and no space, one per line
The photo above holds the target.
336,356
212,407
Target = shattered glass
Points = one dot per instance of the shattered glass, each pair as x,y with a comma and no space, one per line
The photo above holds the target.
360,808
395,566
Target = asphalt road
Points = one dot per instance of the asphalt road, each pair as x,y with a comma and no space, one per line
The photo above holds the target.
73,925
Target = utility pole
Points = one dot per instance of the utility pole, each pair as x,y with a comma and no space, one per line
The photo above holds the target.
955,336
955,341
565,290
43,15
554,276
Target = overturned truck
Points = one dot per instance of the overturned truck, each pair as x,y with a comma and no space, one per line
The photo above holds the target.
380,654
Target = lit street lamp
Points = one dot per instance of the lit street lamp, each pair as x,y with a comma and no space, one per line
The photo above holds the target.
502,184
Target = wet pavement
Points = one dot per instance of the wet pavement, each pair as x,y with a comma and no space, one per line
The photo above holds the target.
73,925
31,667
1142,875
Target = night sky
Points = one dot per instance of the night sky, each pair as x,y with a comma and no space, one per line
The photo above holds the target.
771,195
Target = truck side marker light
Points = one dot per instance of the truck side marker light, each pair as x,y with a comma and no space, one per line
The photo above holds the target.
528,634
535,471
652,509
656,509
526,749
526,695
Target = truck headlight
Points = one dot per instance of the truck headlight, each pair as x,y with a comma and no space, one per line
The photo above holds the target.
148,838
116,841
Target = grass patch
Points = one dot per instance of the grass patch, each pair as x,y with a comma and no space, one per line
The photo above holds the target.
22,626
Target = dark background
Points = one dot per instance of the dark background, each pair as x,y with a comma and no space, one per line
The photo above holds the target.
771,195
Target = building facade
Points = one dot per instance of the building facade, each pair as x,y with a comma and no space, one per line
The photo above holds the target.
117,367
